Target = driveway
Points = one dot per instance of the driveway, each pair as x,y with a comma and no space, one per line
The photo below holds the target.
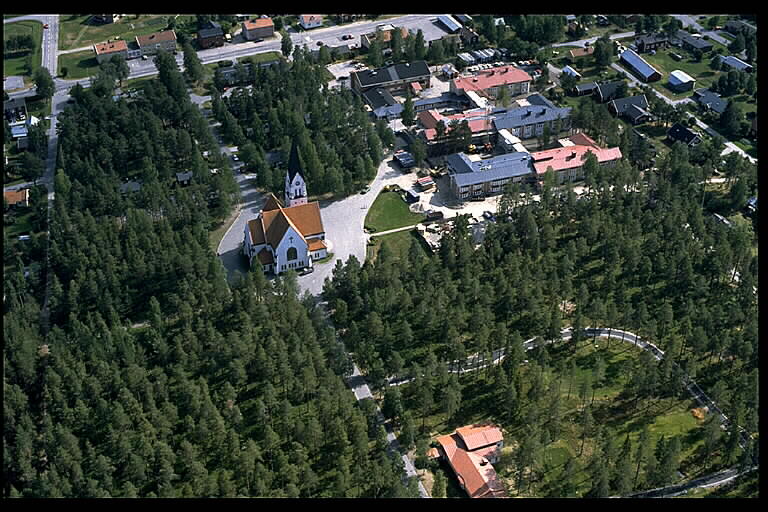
689,20
729,146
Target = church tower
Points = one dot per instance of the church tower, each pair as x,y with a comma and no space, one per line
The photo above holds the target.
295,186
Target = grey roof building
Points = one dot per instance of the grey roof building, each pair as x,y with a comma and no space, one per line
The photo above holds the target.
540,111
476,178
606,91
449,22
681,133
691,43
397,74
710,100
639,66
735,63
681,81
586,89
633,108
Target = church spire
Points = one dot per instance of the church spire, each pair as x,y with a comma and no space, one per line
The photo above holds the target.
295,184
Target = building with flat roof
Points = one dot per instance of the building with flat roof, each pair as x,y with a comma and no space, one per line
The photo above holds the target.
479,178
530,119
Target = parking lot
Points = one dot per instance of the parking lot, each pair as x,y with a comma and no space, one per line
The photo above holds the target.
341,69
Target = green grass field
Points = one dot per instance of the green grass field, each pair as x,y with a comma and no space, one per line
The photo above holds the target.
75,32
701,71
397,243
17,63
79,65
262,57
389,211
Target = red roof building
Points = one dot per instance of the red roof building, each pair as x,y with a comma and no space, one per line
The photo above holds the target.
568,161
490,81
471,451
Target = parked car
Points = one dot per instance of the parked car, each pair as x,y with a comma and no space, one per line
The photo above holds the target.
45,26
488,215
365,189
319,43
235,158
259,40
306,271
346,36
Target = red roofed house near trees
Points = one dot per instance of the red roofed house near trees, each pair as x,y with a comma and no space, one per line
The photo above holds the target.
471,451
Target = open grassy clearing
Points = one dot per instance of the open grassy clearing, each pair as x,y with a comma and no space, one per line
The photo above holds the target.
76,32
397,243
79,64
701,71
389,211
23,63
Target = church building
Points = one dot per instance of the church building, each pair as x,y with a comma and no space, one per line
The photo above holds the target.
287,236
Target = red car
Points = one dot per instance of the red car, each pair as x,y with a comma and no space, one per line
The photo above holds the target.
45,26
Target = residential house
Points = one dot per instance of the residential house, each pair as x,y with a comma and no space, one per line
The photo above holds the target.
585,89
471,452
651,42
737,26
310,21
633,108
582,52
260,28
568,162
15,111
17,198
608,91
470,176
691,43
130,186
683,134
210,35
735,63
286,237
105,51
490,81
385,33
151,43
184,178
533,114
568,70
395,77
710,100
639,66
680,81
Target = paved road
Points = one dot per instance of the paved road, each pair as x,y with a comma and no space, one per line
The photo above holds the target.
690,21
591,40
404,228
729,146
633,81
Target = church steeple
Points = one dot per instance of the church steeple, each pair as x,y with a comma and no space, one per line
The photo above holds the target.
295,185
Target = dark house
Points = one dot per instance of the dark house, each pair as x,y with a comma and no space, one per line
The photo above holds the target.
585,89
633,108
639,66
210,36
607,90
736,26
393,77
648,42
683,134
691,43
184,178
710,100
735,63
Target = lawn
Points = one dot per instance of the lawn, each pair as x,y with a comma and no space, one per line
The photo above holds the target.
17,64
79,65
749,148
398,243
389,211
258,58
75,32
701,71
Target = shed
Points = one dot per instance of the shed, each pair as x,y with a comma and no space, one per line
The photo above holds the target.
681,81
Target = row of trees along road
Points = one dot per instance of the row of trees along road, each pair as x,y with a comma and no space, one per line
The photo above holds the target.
214,391
636,251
